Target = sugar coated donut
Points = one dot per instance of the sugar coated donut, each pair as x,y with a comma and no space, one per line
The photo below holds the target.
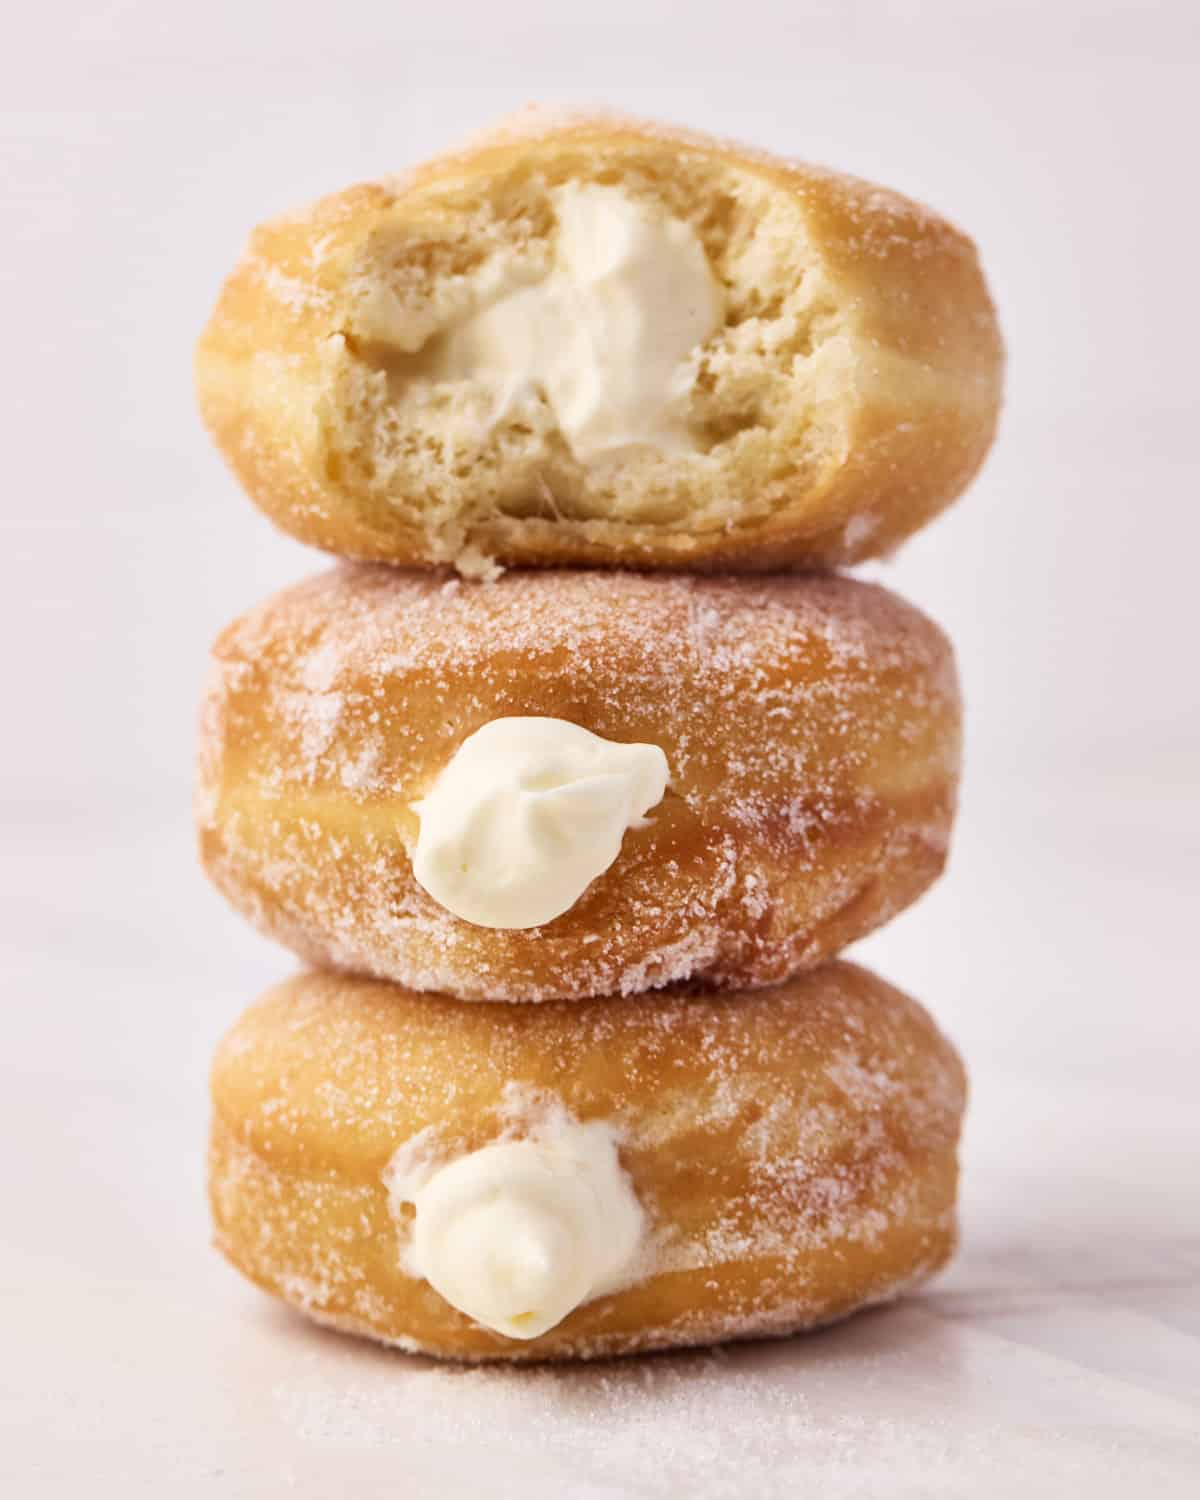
568,1181
560,785
588,340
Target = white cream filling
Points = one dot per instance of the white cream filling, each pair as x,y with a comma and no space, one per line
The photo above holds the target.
606,336
526,814
520,1233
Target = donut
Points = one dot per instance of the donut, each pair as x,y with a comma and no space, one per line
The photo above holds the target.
569,1181
588,340
743,775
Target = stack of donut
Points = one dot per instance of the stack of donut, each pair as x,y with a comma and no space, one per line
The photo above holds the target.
570,782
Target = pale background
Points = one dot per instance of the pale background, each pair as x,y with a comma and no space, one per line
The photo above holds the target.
141,141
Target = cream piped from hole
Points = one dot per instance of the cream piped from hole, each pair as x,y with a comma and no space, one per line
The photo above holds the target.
526,814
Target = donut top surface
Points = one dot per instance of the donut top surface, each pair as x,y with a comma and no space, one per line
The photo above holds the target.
834,662
336,1073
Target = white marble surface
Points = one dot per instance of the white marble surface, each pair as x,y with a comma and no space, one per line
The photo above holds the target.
1060,1356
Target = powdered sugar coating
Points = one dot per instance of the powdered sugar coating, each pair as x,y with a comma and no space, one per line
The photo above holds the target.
539,122
811,727
794,1150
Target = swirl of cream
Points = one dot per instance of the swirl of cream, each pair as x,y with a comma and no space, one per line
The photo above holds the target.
520,1233
526,814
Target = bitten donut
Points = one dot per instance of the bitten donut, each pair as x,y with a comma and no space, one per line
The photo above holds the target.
586,340
559,785
570,1181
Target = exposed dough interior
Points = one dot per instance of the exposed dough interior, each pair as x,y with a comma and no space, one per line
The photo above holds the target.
758,400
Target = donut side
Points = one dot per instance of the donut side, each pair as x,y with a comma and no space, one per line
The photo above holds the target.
848,394
794,1151
811,728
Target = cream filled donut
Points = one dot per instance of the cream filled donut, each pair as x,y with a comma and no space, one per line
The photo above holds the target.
569,1181
590,340
559,785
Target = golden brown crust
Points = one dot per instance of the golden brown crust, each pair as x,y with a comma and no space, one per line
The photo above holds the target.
915,378
794,1149
811,727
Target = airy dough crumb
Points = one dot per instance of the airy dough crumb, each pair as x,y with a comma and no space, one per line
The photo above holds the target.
758,403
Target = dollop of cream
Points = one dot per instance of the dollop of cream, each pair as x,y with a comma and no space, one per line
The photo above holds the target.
526,814
522,1232
606,336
